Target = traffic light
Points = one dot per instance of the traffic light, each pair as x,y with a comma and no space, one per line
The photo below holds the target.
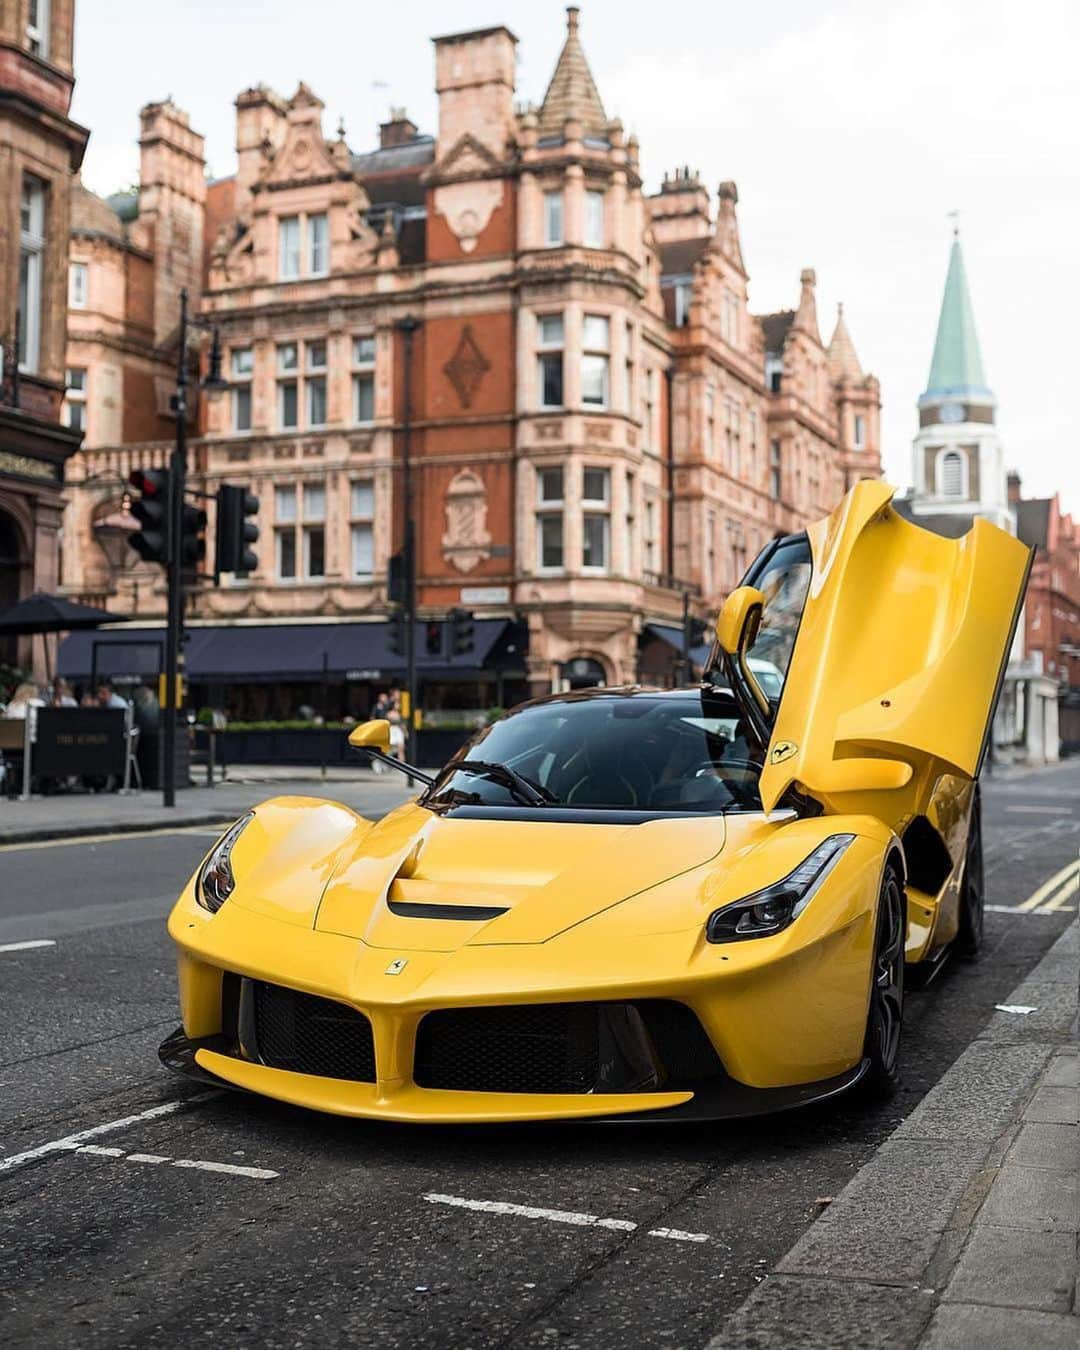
395,578
395,633
433,637
235,532
151,510
192,535
461,632
698,632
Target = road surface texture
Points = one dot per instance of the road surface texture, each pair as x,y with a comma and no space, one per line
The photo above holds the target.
137,1209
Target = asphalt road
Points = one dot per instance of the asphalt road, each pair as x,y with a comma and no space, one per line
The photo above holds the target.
372,1234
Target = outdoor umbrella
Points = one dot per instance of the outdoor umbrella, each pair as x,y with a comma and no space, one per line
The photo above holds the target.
41,613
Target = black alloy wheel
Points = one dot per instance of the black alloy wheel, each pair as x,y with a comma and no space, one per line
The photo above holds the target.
886,1014
969,938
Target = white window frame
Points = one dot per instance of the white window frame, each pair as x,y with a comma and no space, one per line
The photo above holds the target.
939,474
554,219
858,431
32,240
285,523
315,375
363,374
38,29
599,509
361,523
310,257
684,294
547,347
593,351
594,234
312,522
241,381
76,397
78,285
550,508
317,251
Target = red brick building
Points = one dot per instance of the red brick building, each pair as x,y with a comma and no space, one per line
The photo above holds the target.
598,421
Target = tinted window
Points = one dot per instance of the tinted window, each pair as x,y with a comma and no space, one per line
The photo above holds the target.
628,752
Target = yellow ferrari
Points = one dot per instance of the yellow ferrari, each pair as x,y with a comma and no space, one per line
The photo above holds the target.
637,902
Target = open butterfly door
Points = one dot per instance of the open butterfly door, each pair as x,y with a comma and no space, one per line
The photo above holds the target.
901,648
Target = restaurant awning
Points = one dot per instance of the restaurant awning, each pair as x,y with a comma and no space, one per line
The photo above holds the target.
285,653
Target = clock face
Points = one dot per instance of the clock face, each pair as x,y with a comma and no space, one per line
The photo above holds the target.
952,412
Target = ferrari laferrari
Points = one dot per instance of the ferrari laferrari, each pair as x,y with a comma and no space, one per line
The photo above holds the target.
633,902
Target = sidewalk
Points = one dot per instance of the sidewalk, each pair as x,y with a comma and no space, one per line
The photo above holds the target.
961,1232
74,814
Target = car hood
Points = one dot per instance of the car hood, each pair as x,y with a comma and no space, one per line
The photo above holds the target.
419,881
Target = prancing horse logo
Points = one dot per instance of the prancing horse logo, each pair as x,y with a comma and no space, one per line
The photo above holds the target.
396,967
782,750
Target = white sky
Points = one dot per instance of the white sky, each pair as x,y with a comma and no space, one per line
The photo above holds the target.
851,127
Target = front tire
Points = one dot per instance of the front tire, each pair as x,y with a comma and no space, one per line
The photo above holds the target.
884,1020
969,938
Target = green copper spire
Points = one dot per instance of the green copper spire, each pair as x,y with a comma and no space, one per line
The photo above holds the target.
956,370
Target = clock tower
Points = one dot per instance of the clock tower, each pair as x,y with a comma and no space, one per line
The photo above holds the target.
958,469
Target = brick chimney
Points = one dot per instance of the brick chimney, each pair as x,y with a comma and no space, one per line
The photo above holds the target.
260,130
474,78
399,130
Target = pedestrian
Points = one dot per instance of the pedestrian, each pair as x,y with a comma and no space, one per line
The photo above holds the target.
107,697
22,700
397,735
61,694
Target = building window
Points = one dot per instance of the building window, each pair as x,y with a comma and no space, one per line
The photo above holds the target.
78,287
288,364
303,246
364,378
285,531
652,543
75,410
37,26
241,365
362,530
596,519
549,519
595,361
318,245
628,372
729,317
683,294
549,341
751,433
631,521
951,474
774,373
315,383
594,219
648,427
733,432
710,553
553,219
31,261
774,469
859,439
314,530
710,421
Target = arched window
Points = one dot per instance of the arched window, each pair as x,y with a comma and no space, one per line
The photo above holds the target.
951,474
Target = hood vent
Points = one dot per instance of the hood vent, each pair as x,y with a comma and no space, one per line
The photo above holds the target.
414,909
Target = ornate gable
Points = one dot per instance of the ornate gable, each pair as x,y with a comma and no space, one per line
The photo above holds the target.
467,158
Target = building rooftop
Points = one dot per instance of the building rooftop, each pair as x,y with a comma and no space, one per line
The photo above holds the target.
775,328
956,369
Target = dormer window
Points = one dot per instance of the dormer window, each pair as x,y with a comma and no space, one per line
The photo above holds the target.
303,246
553,219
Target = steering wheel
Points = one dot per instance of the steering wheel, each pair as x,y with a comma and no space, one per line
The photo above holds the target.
738,787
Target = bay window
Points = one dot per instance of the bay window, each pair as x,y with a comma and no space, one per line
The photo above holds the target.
549,519
594,219
595,360
31,263
549,342
596,519
553,219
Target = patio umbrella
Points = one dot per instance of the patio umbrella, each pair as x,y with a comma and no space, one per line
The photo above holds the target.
41,613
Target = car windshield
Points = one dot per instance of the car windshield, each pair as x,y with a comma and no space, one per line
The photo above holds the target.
610,751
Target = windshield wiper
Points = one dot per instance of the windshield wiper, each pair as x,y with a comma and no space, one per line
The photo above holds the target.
524,789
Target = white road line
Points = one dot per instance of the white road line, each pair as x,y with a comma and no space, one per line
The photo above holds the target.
73,1141
258,1173
148,1158
100,1151
1058,901
559,1216
26,946
1053,908
112,837
1039,810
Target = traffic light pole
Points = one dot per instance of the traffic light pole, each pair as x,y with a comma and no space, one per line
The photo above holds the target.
175,571
407,327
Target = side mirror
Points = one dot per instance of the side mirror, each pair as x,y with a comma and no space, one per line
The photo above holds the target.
736,628
373,735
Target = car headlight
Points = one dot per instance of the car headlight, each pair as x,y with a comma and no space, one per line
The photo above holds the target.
215,882
768,911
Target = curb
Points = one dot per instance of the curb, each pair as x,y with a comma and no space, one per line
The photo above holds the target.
873,1270
87,830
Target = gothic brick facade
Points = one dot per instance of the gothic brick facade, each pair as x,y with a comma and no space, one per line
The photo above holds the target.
597,420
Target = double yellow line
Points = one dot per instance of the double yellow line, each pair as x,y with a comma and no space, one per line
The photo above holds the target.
1052,895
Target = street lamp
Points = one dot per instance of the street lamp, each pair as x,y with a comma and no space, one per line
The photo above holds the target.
213,383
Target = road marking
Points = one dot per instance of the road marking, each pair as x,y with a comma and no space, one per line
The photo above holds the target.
1058,901
148,1158
1020,1009
1039,810
72,1142
560,1216
27,946
114,836
100,1151
199,1164
1048,887
1017,909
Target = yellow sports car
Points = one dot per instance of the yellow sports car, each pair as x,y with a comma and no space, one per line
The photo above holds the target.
623,902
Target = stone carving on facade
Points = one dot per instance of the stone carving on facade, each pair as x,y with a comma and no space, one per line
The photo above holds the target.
548,431
598,431
466,542
467,208
466,368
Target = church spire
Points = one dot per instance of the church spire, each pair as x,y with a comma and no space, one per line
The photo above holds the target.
572,92
956,371
843,361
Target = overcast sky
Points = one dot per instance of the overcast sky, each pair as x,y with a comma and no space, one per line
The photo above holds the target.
852,128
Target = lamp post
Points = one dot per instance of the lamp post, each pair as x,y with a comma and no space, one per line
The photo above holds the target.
175,570
407,327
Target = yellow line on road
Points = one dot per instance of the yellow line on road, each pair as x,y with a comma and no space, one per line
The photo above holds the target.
118,834
1039,897
1070,888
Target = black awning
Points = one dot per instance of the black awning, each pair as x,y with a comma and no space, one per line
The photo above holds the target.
285,653
673,636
